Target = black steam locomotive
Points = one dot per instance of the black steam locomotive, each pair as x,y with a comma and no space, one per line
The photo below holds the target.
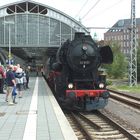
74,75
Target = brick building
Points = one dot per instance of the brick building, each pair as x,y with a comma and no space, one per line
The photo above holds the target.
120,32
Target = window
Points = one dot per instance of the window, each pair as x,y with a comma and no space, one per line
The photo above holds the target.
127,37
124,37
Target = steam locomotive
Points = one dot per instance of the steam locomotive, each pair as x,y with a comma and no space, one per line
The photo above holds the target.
74,76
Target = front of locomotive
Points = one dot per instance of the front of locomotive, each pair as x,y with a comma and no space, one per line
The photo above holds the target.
83,54
86,88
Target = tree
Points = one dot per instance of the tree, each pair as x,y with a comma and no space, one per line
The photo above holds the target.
118,69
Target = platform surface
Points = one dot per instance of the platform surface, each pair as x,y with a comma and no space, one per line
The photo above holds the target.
37,116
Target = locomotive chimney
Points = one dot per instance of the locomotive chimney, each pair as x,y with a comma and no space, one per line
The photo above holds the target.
88,37
79,35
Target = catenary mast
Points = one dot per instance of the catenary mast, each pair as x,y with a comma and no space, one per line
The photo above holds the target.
133,49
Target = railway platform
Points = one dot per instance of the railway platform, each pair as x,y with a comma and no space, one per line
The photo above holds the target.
36,116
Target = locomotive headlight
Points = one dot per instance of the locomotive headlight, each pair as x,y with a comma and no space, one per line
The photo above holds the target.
70,85
101,85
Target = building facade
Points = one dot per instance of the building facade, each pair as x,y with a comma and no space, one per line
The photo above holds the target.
121,33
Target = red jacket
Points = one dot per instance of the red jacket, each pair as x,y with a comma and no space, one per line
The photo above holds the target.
2,75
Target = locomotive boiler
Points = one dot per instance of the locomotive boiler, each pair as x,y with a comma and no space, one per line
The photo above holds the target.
74,74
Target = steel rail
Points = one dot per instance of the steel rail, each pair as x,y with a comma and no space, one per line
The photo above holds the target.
91,123
126,101
126,95
119,127
82,128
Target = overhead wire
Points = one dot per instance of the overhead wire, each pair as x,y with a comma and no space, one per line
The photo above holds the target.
90,9
81,8
106,9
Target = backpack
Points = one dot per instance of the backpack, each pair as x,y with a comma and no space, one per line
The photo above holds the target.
18,75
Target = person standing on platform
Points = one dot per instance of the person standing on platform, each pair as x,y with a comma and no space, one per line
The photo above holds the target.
42,71
14,93
24,80
19,80
2,77
11,84
37,71
27,72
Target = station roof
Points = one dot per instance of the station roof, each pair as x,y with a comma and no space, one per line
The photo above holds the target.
37,50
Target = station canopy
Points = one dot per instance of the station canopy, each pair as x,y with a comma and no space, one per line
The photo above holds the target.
34,30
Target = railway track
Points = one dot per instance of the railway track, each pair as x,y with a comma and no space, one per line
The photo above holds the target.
97,126
125,98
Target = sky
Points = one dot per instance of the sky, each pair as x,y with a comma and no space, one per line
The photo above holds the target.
92,13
